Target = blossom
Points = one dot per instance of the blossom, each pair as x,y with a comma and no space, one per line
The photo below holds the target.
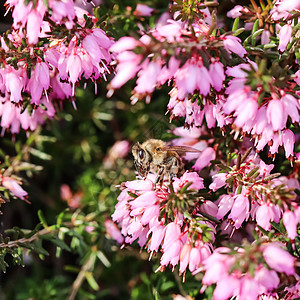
143,10
266,213
233,44
14,186
284,37
240,210
279,259
219,180
188,177
290,222
113,231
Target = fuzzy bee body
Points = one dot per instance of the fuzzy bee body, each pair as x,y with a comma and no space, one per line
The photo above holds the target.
156,155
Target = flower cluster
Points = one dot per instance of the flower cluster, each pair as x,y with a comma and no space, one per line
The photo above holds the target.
162,219
208,82
231,271
255,193
49,65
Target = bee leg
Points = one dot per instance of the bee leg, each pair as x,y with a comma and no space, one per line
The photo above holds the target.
175,168
160,175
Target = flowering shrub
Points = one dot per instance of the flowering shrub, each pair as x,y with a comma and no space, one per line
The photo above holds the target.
50,48
228,224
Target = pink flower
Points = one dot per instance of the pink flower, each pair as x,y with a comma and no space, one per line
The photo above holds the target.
14,85
113,231
224,205
14,187
197,181
184,257
249,288
145,200
297,77
204,81
287,5
216,72
172,234
143,10
268,279
285,36
290,222
140,185
127,68
171,254
195,259
235,12
265,37
158,232
226,288
204,159
266,213
147,78
275,114
233,44
219,180
288,139
291,107
279,259
217,266
245,112
240,210
34,23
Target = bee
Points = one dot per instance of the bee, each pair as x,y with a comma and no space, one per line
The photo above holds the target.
156,155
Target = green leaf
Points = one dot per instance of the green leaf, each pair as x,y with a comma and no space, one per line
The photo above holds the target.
238,32
91,280
40,154
42,218
235,24
56,241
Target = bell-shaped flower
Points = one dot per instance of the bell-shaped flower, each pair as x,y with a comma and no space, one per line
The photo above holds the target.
285,36
279,259
34,23
14,187
290,222
216,72
275,114
204,159
233,44
226,288
288,140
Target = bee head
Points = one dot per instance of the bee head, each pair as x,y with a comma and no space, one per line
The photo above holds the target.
142,159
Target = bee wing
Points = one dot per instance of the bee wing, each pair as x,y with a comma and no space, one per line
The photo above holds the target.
181,149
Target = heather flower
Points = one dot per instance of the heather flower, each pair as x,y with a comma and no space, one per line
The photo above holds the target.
216,72
279,259
113,231
187,177
225,205
266,213
204,159
219,180
284,37
143,10
14,186
235,12
226,288
240,210
290,222
233,44
288,140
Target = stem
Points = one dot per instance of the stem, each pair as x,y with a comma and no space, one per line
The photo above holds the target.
80,277
48,230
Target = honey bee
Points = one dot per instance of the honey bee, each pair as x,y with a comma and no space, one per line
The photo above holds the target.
156,155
